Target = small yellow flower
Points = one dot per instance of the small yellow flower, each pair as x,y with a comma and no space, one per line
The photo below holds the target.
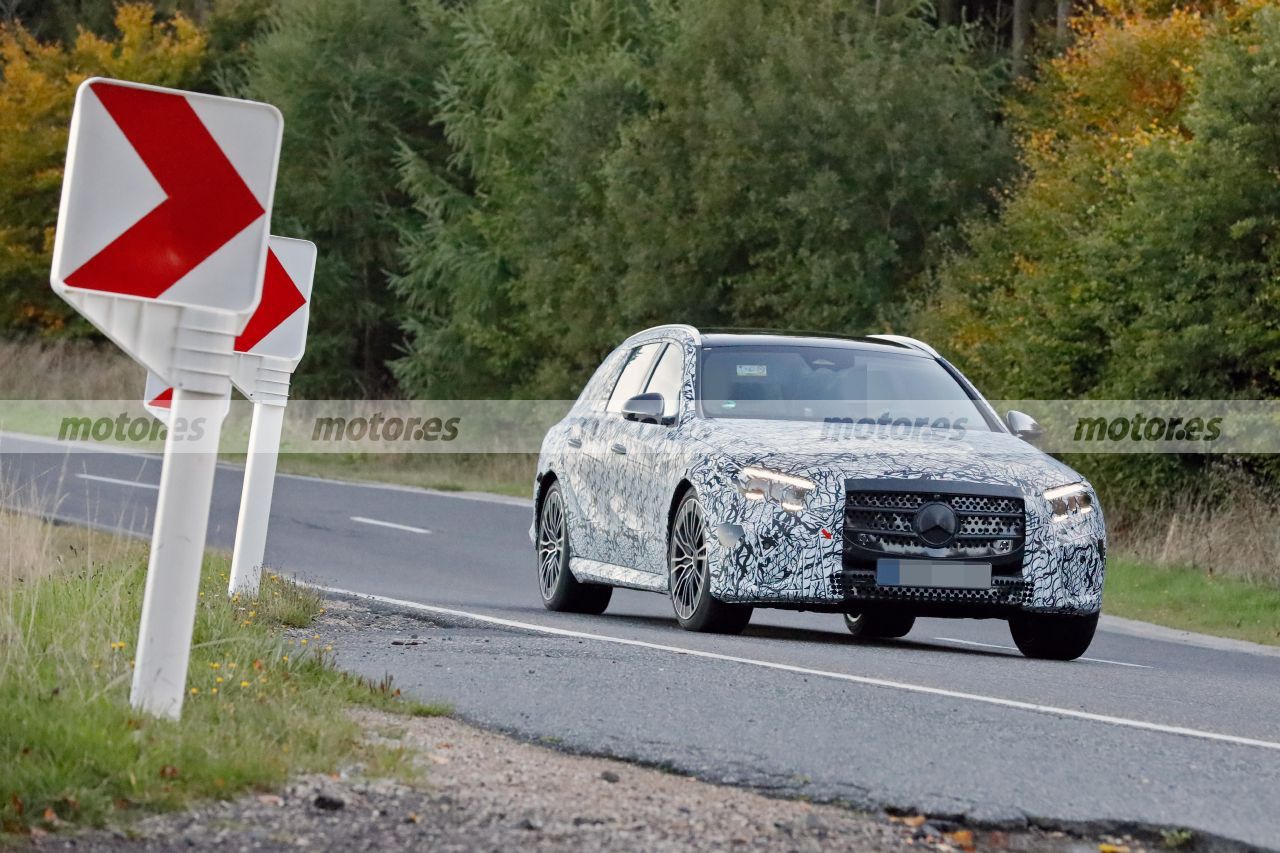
218,680
304,641
284,658
244,684
215,665
328,648
213,690
195,690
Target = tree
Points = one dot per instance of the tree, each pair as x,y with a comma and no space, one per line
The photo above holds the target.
37,90
354,79
723,162
1021,309
1138,257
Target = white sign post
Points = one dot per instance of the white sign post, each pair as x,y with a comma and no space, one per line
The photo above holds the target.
157,399
268,351
161,244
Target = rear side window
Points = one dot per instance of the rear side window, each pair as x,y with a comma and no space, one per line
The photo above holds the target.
667,378
596,392
634,374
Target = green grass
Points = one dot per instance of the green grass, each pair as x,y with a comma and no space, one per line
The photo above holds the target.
265,702
1193,600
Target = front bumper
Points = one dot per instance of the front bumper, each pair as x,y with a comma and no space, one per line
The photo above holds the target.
780,559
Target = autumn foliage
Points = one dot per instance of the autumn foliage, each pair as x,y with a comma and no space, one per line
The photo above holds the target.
37,89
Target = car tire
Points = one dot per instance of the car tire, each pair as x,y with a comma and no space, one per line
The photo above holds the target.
561,591
1053,636
689,577
879,626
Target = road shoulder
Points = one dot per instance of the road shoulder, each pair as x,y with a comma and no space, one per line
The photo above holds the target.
484,790
1161,633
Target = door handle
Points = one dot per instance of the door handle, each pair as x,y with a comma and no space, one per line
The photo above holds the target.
618,448
573,441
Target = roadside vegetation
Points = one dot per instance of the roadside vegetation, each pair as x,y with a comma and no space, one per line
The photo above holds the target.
1072,201
265,702
1193,600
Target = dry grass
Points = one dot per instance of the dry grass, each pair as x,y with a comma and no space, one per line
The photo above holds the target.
263,704
502,473
31,549
1238,537
67,370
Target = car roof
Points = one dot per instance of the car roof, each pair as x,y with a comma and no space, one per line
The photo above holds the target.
721,338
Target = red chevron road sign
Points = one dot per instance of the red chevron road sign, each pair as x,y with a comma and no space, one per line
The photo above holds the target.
279,325
167,196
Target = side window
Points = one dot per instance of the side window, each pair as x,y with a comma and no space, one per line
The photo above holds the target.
596,392
639,360
667,378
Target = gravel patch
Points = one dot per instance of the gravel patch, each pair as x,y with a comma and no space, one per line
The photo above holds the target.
485,791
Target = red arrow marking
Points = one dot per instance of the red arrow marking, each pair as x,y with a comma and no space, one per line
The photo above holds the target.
280,299
164,399
207,201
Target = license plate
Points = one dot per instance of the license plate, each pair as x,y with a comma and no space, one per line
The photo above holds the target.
933,573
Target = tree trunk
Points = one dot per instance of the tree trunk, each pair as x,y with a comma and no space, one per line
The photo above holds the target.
1020,36
1064,15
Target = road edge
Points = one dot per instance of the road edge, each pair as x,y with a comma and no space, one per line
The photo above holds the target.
1152,631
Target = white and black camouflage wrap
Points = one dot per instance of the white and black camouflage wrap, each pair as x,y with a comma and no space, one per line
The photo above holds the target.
619,506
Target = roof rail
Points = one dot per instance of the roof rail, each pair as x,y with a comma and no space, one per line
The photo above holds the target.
908,342
682,327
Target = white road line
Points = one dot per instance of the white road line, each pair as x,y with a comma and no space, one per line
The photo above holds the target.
375,522
482,497
88,447
1125,722
113,480
1015,648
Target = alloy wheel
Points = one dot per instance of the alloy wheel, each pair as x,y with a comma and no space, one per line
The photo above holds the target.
688,559
551,544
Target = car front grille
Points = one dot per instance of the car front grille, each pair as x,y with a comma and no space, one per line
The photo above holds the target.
861,586
880,521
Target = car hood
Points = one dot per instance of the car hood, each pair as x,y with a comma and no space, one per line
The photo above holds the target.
824,451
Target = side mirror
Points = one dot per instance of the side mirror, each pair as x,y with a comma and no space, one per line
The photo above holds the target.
1024,426
646,408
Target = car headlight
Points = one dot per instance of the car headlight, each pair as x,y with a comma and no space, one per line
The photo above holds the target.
1069,501
786,490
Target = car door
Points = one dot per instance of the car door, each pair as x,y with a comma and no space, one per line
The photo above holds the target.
576,467
647,462
606,471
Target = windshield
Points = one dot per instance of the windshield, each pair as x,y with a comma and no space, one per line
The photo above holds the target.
833,384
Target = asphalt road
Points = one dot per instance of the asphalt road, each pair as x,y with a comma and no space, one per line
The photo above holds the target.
949,721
